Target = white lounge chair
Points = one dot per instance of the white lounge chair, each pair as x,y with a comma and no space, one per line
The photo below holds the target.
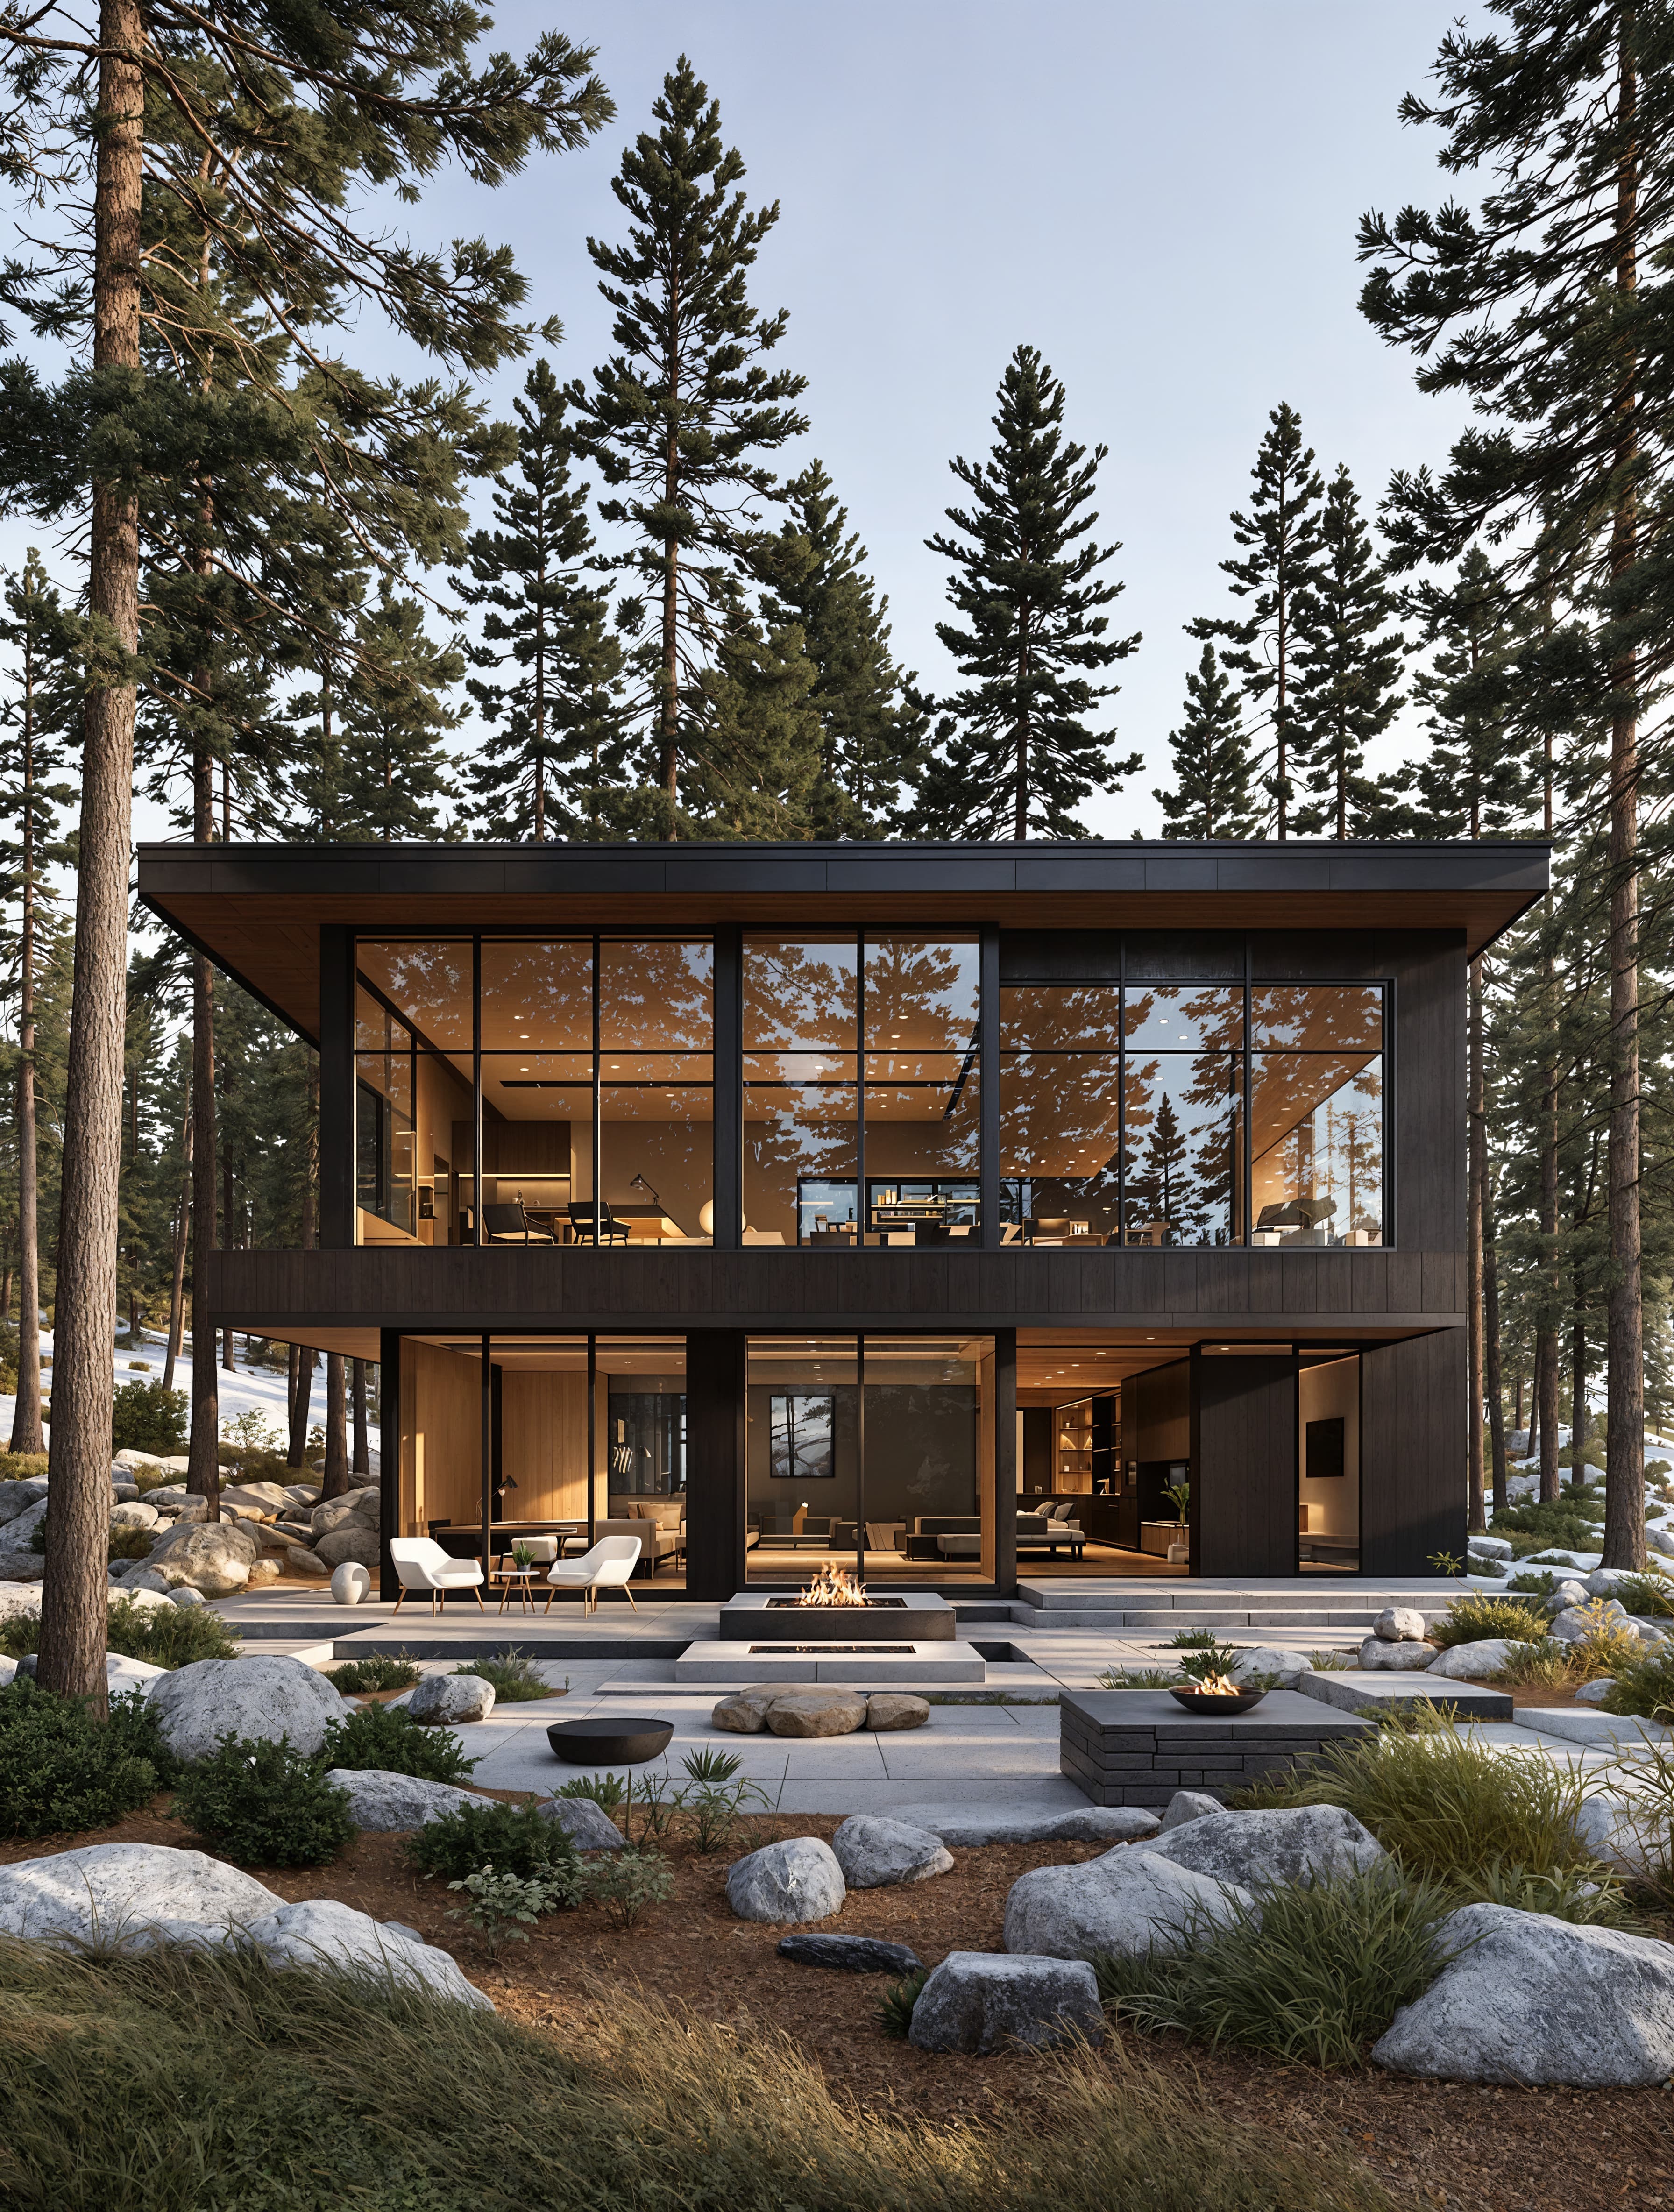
606,1566
422,1565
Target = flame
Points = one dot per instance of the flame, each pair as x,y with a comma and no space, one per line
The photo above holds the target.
1216,1685
833,1586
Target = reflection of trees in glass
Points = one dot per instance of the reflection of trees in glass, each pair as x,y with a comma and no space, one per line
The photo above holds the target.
799,995
1346,1019
538,993
927,990
428,982
656,996
1182,1131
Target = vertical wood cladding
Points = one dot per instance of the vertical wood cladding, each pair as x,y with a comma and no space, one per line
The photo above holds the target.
714,1461
1413,1435
543,1437
1243,1466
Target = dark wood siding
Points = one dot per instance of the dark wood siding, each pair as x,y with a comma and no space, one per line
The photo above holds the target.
1244,1466
714,1463
1412,1433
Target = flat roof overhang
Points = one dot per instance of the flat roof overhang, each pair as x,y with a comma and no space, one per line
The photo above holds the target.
256,910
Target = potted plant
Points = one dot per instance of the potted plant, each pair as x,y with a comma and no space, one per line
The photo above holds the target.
523,1556
1178,1495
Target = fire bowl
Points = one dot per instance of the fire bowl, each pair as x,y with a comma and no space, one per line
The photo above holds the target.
1210,1706
610,1739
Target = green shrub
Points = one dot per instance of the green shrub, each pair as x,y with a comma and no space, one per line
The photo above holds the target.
1193,1639
1569,1523
1311,1973
607,1790
628,1882
896,2004
387,1738
1644,1684
62,1770
163,1635
512,1837
514,1674
1651,1596
504,1905
146,1418
22,1467
379,1671
1470,1620
1444,1803
1546,1665
131,1543
1534,1582
262,1804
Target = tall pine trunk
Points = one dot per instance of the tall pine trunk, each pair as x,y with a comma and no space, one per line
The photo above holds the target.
1546,1339
75,1579
336,1481
1624,1418
1493,1381
203,1452
177,1286
362,1442
26,1435
1477,1142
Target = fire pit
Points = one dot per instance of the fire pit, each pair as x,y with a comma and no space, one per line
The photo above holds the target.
902,1617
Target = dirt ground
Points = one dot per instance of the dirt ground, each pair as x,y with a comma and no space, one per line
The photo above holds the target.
1480,2150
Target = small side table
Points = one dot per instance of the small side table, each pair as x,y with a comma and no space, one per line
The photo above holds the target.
521,1579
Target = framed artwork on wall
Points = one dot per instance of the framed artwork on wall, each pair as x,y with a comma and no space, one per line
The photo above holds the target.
801,1435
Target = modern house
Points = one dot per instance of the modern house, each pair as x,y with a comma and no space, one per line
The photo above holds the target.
938,1210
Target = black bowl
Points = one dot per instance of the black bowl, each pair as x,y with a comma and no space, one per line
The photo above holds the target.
611,1740
1208,1706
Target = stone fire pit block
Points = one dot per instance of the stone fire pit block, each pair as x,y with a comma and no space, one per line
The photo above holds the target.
897,1617
1138,1748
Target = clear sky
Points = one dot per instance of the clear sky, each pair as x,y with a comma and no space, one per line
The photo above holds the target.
1162,197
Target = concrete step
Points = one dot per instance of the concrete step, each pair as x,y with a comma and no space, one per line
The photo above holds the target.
1276,1627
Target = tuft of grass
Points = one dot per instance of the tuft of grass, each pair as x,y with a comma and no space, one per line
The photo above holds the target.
309,2091
607,1790
1333,1662
1651,1596
1644,1684
1546,1665
22,1467
384,1738
1474,1618
166,1635
1139,1678
514,1674
896,2004
129,1543
1194,1639
1589,1900
377,1671
1308,1972
1442,1801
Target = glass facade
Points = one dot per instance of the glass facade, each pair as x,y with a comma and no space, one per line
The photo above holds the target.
576,1076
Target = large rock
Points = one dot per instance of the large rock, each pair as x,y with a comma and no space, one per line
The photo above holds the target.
1401,1623
977,2002
259,1497
588,1826
321,1933
1575,1622
1302,1843
355,1544
1270,1659
198,1705
889,1710
744,1712
215,1558
1606,1582
817,1712
299,1560
1471,1662
961,1827
1189,1805
1130,1902
797,1880
123,1674
394,1802
354,1511
1493,1547
1396,1658
263,1572
854,1955
109,1893
133,1513
875,1853
452,1699
1539,2001
16,1498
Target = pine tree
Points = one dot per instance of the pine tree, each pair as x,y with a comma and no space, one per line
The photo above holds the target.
1282,533
260,127
1014,756
756,774
870,734
395,773
1348,664
33,720
1548,308
554,738
1477,779
1213,768
682,414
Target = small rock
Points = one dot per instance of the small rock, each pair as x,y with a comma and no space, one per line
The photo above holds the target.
1396,1658
1190,1805
895,1709
264,1571
185,1597
1292,1844
452,1699
1495,1547
1574,1622
356,1543
977,2002
216,1559
817,1712
1473,1662
744,1712
401,1928
1268,1659
588,1826
1594,1693
1537,2001
133,1513
391,1803
965,1826
1130,1902
797,1880
1605,1582
876,1853
300,1561
1567,1594
1400,1624
350,1582
856,1954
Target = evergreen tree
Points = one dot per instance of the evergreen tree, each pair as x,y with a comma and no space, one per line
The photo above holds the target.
760,765
869,732
1014,756
1213,769
395,772
32,722
1548,308
1348,664
682,414
261,126
1283,535
1477,779
555,729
